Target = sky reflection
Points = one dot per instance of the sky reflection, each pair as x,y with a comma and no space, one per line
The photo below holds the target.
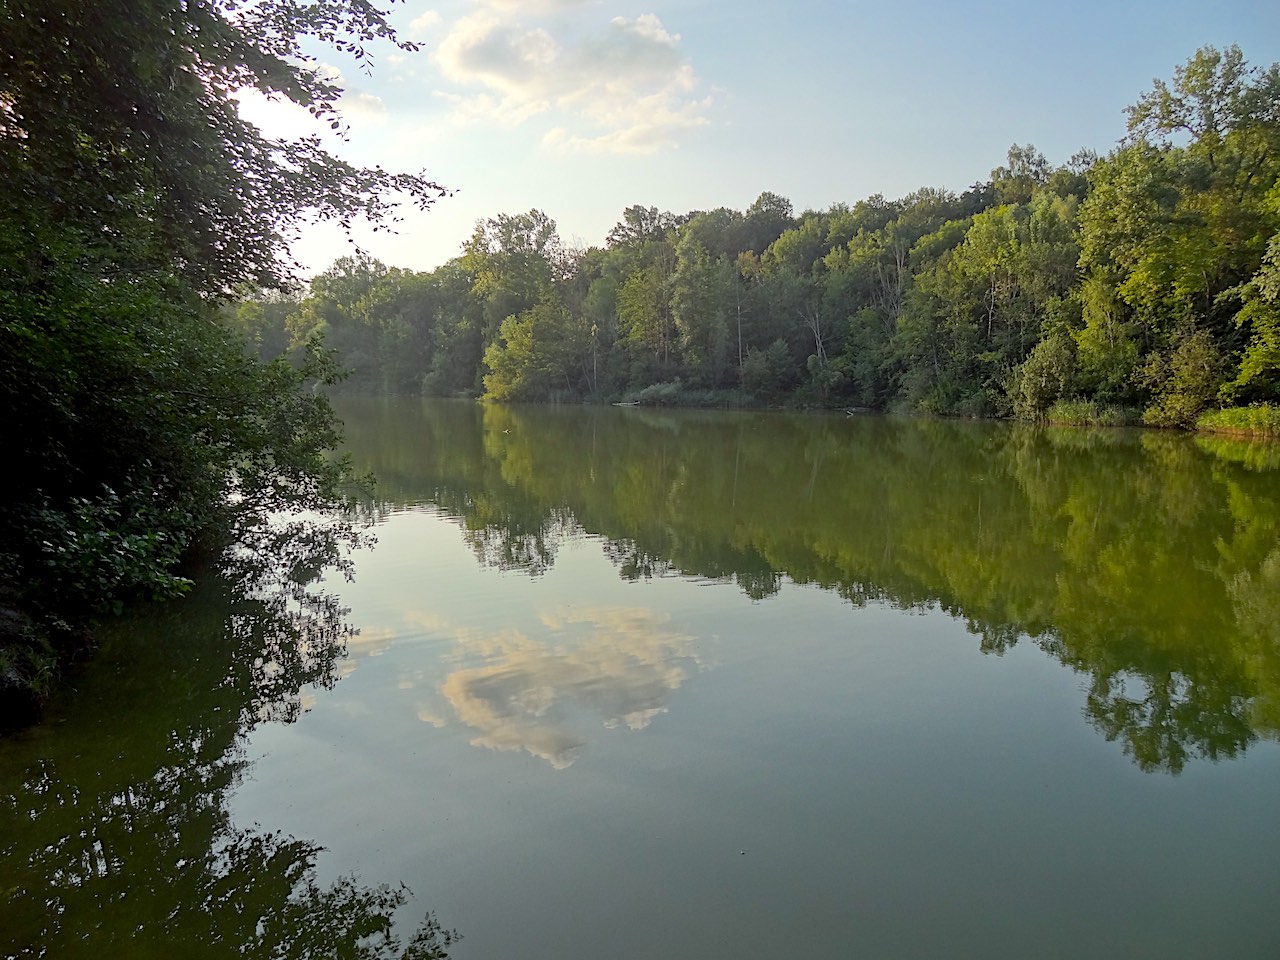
543,693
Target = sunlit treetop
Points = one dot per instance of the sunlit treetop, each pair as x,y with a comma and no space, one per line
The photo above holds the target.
1213,93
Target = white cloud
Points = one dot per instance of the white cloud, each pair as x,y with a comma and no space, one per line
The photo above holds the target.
643,42
330,73
421,26
650,126
535,6
627,89
506,57
482,107
363,107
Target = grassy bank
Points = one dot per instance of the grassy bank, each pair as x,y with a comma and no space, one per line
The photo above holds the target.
1088,413
1259,420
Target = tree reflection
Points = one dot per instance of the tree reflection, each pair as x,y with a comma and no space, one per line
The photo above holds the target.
1147,562
115,838
1164,721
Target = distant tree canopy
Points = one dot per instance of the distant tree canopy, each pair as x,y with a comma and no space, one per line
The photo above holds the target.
1146,280
136,198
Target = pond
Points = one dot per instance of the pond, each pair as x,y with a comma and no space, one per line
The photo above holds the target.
624,683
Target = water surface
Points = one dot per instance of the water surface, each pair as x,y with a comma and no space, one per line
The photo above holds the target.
635,683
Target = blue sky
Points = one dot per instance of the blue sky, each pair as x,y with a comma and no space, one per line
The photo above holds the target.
581,108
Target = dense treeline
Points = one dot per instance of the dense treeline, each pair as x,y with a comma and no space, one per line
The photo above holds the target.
136,199
1147,280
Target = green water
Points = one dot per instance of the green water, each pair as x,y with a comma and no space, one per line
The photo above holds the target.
632,683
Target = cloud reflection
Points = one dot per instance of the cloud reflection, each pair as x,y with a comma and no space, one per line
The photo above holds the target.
614,666
365,643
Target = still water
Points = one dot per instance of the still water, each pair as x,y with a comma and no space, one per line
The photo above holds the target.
625,683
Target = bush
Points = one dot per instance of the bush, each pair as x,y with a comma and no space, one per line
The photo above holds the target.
1046,376
768,374
1184,382
661,394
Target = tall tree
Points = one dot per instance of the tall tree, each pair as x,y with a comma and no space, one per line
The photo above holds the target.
765,220
640,224
702,292
514,259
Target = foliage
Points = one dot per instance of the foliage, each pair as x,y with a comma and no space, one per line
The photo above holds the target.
767,373
538,355
136,200
124,117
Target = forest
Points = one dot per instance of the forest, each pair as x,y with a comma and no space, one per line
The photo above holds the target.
1140,285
